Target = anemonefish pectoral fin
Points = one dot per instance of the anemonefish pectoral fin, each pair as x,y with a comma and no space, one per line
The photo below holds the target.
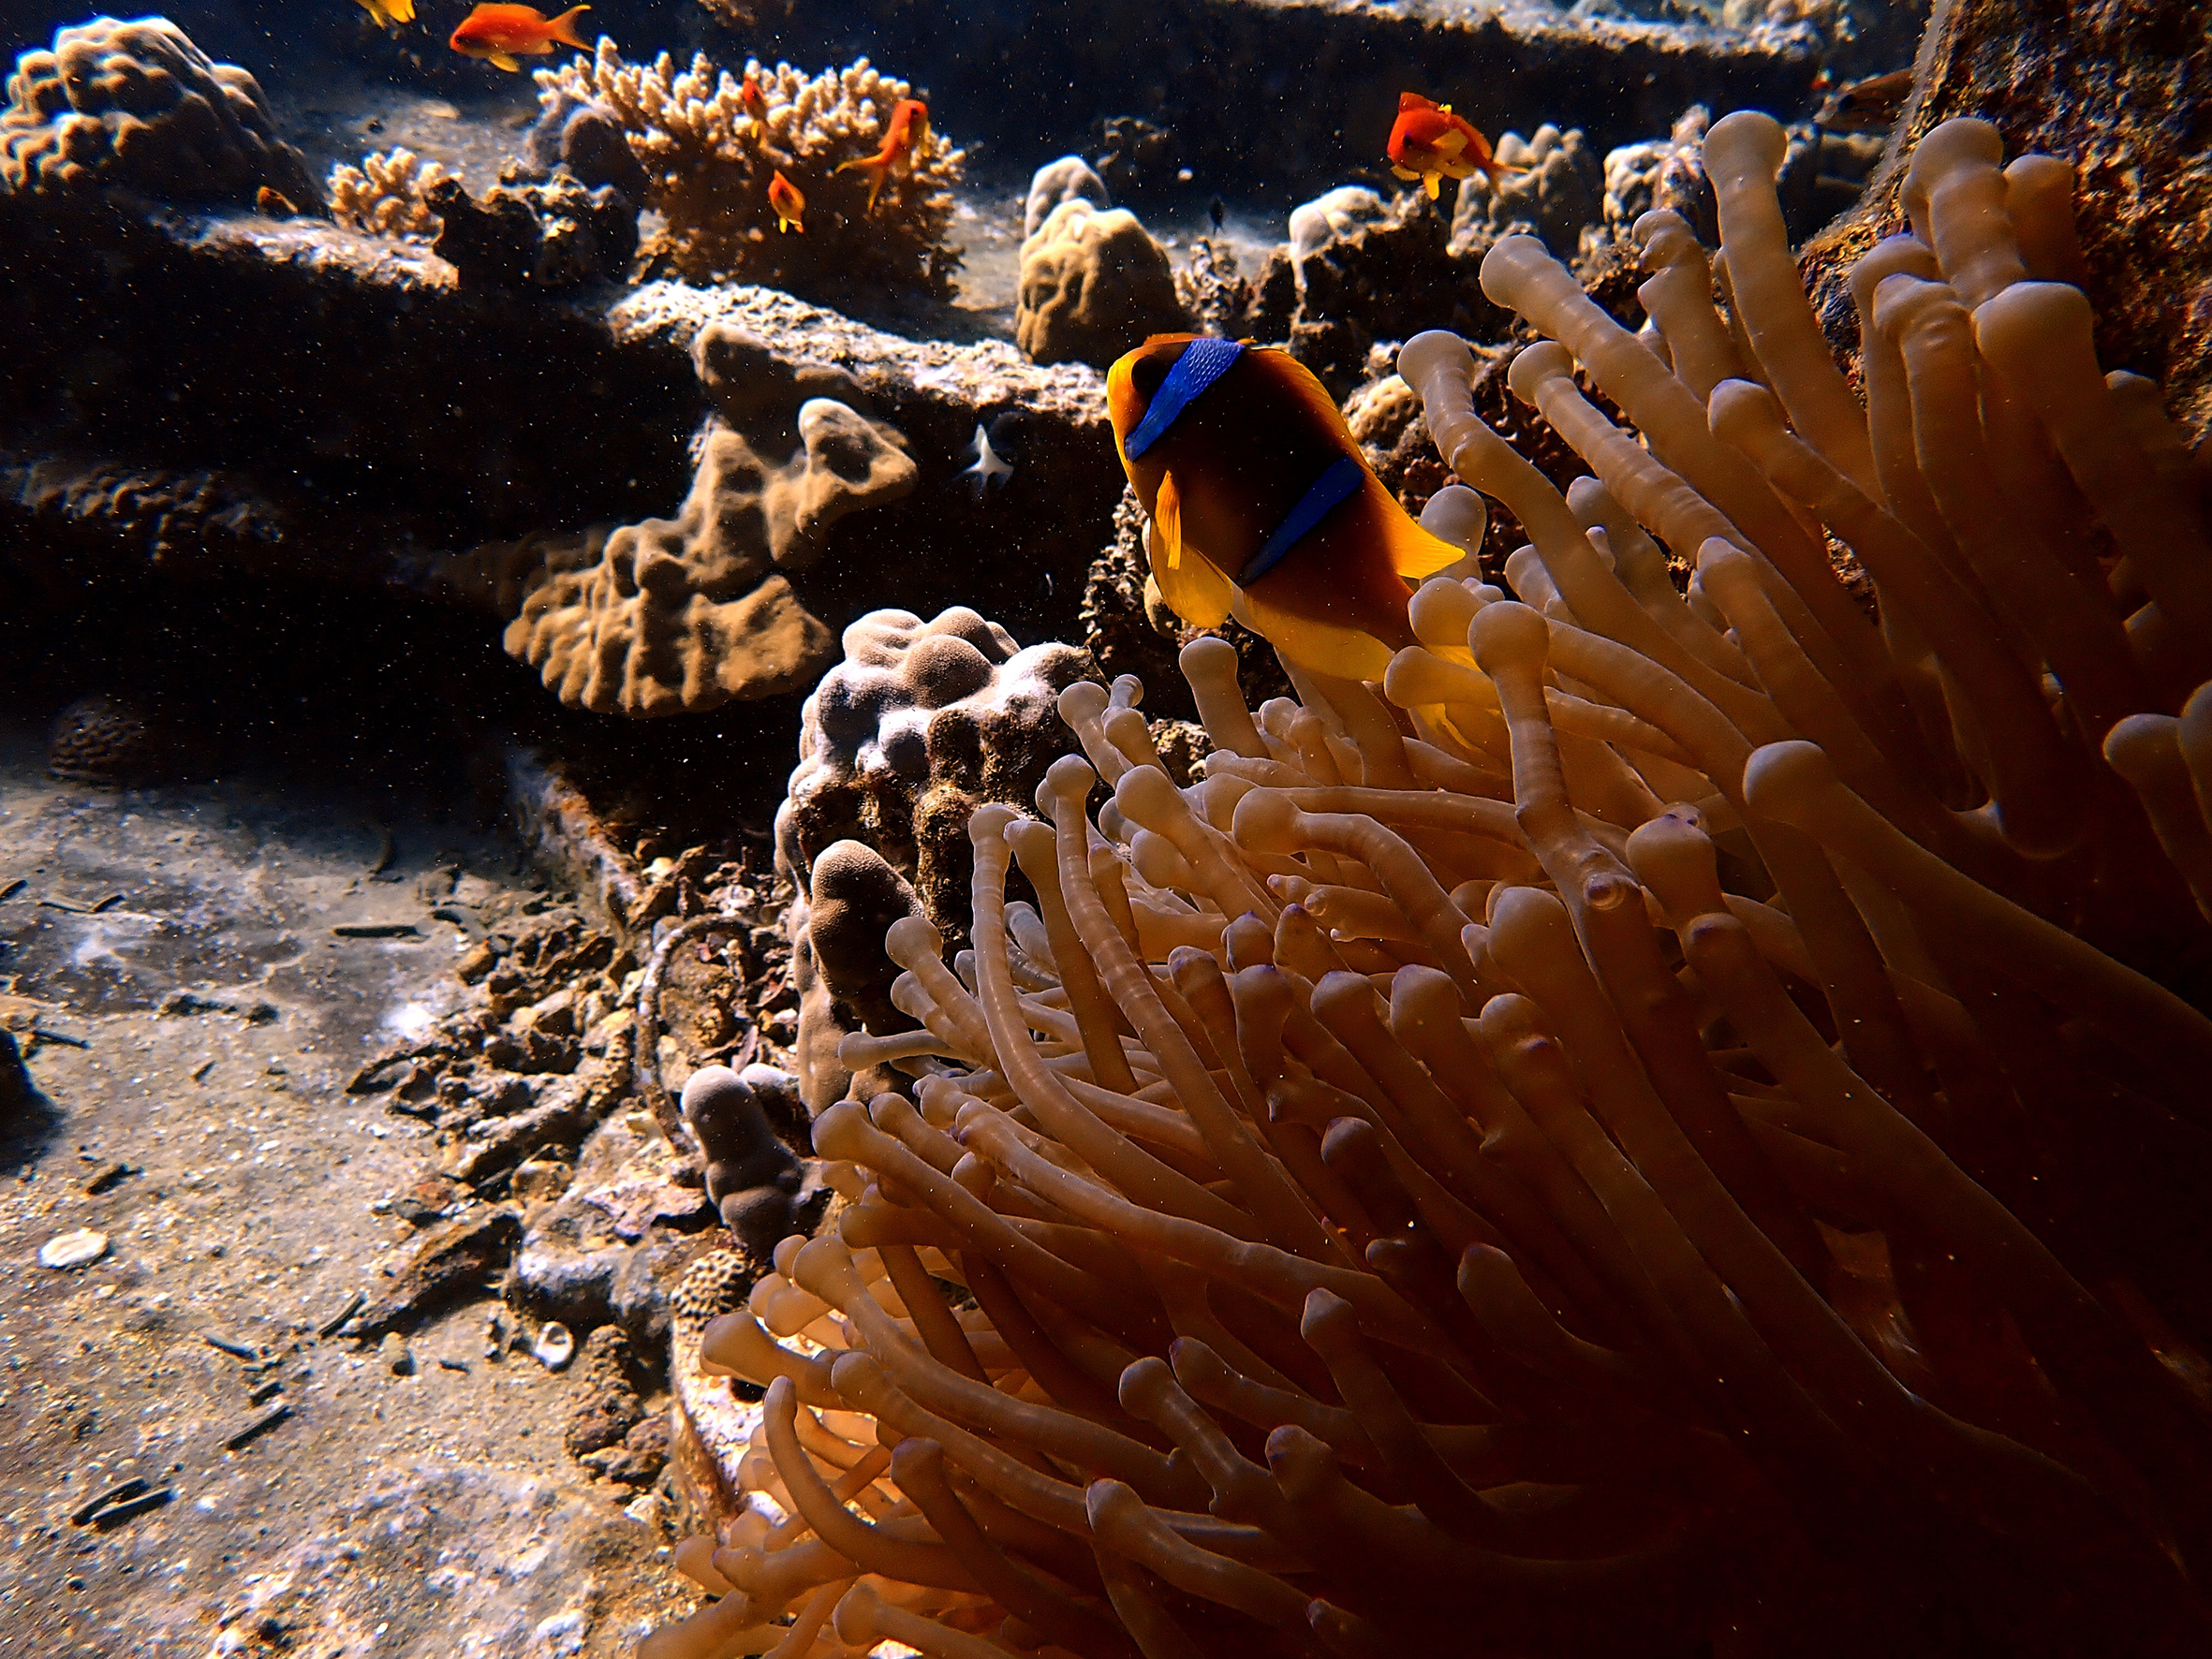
1167,521
1193,589
507,61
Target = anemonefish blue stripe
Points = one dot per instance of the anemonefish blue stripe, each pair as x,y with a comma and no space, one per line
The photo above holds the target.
1332,489
1202,362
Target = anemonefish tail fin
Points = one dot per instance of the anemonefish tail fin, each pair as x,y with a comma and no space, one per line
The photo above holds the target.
507,61
562,28
1193,589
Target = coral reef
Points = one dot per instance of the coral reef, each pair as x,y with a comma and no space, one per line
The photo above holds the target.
1557,198
1369,269
551,236
1700,1139
1094,284
694,611
708,161
386,195
136,105
1069,178
1666,174
843,905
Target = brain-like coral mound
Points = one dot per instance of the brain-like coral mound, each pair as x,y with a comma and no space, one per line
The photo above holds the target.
1094,284
1069,178
137,104
710,143
682,614
120,744
386,195
920,722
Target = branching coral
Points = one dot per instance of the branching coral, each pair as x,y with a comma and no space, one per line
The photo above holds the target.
384,196
1637,1149
710,157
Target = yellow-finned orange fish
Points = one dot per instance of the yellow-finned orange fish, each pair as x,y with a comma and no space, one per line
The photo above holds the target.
390,14
1261,506
505,33
902,135
1432,144
750,98
783,195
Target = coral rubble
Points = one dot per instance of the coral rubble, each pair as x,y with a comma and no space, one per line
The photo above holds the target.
1556,196
708,161
1675,1111
136,105
548,237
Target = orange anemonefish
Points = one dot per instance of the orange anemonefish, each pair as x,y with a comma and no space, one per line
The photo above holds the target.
505,33
1432,144
1261,506
906,132
783,195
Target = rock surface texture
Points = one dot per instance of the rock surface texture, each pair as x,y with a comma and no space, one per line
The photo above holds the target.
2123,92
1094,284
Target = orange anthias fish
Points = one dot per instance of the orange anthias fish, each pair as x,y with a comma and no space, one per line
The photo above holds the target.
783,195
749,97
1432,144
507,33
390,14
906,132
1261,506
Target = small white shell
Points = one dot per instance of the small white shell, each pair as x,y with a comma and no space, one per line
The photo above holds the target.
555,1345
79,1248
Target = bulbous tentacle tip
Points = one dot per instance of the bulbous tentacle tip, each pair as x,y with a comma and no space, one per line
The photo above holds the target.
1508,636
1788,780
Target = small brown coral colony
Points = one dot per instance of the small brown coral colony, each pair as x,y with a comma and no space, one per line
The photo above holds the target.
709,160
136,104
1655,1145
385,195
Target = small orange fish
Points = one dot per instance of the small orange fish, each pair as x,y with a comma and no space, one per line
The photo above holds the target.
1261,505
907,132
274,202
750,97
1868,106
503,34
1432,144
783,195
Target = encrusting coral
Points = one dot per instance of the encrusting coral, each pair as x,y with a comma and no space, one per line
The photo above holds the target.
136,104
709,159
385,195
1645,1146
684,614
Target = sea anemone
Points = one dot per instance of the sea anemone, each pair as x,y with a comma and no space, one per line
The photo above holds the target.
1670,1128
